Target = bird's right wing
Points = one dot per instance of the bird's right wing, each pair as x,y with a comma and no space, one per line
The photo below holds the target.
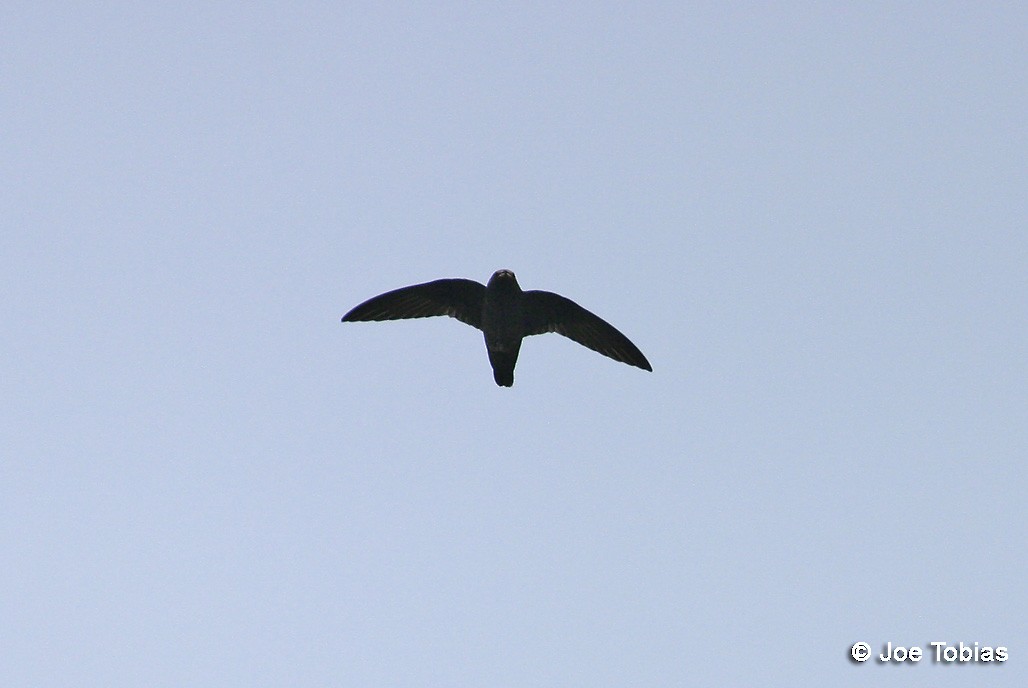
549,312
457,298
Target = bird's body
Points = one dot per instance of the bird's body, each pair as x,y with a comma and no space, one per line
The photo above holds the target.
503,325
505,314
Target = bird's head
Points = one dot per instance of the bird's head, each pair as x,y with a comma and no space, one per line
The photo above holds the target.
503,278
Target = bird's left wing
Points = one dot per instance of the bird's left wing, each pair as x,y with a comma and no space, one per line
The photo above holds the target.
457,298
548,312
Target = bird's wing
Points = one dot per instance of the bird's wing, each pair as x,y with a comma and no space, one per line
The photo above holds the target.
548,312
457,298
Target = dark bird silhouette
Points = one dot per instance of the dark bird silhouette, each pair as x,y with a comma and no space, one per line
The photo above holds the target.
505,314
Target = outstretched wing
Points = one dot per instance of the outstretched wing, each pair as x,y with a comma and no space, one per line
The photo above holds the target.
457,298
548,312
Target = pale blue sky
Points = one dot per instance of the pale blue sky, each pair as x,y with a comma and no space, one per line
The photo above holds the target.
811,218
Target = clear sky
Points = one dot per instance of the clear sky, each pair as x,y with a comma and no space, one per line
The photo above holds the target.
811,218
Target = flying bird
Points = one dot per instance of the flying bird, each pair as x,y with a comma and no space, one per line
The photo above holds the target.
505,314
